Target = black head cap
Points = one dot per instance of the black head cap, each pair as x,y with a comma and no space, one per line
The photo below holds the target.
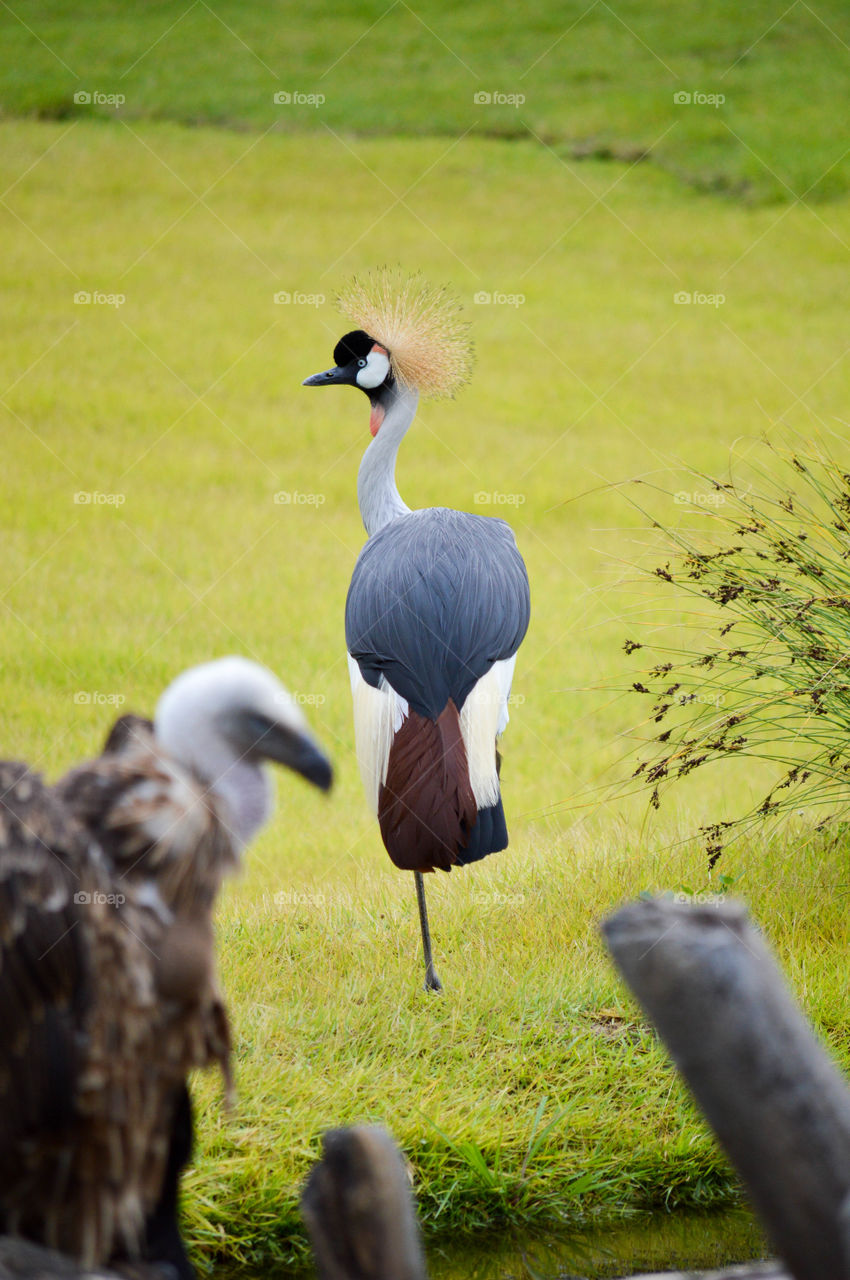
353,346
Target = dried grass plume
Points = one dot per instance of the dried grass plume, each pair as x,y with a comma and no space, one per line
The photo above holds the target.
420,325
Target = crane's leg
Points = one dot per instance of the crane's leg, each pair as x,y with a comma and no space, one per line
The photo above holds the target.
432,982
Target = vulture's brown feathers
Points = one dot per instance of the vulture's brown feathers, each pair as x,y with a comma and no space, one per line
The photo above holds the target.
108,992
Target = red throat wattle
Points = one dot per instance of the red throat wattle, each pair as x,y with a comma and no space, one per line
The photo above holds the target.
376,417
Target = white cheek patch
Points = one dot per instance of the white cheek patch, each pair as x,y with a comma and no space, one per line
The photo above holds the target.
374,371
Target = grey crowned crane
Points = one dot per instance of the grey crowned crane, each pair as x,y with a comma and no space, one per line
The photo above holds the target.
437,607
108,987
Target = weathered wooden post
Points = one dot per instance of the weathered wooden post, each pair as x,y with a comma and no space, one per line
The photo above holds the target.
772,1095
21,1260
359,1209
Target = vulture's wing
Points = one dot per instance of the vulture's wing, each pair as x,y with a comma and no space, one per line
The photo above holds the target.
153,820
45,980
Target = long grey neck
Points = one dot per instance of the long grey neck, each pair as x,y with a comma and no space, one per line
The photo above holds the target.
377,493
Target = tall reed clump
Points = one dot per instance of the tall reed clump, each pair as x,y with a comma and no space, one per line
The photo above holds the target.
765,669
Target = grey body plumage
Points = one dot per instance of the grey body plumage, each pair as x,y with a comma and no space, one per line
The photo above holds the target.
437,597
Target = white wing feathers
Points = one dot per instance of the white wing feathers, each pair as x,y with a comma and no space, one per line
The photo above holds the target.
378,716
379,713
482,720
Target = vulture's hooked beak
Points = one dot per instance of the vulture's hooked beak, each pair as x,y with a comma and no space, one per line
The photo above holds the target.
298,752
272,740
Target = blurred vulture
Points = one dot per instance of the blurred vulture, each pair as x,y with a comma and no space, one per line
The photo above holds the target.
108,987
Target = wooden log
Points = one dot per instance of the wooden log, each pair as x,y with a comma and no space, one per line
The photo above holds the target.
359,1209
22,1260
772,1095
746,1271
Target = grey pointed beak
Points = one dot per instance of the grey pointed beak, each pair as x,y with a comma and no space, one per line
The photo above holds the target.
329,378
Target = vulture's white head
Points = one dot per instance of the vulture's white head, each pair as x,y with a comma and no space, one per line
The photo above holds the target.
224,720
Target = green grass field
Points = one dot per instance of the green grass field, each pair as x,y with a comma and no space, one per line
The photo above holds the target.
177,410
595,78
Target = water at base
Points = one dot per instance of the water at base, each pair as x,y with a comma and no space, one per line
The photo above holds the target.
651,1242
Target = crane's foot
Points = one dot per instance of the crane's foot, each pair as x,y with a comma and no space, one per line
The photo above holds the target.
432,982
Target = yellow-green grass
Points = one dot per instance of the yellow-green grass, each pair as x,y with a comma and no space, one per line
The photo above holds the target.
597,376
761,82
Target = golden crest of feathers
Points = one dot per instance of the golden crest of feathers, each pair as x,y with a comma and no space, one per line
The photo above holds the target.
420,326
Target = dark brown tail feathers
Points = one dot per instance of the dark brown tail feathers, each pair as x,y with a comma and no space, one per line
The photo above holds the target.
426,807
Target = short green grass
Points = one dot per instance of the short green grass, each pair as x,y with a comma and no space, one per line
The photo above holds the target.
533,1039
532,1094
